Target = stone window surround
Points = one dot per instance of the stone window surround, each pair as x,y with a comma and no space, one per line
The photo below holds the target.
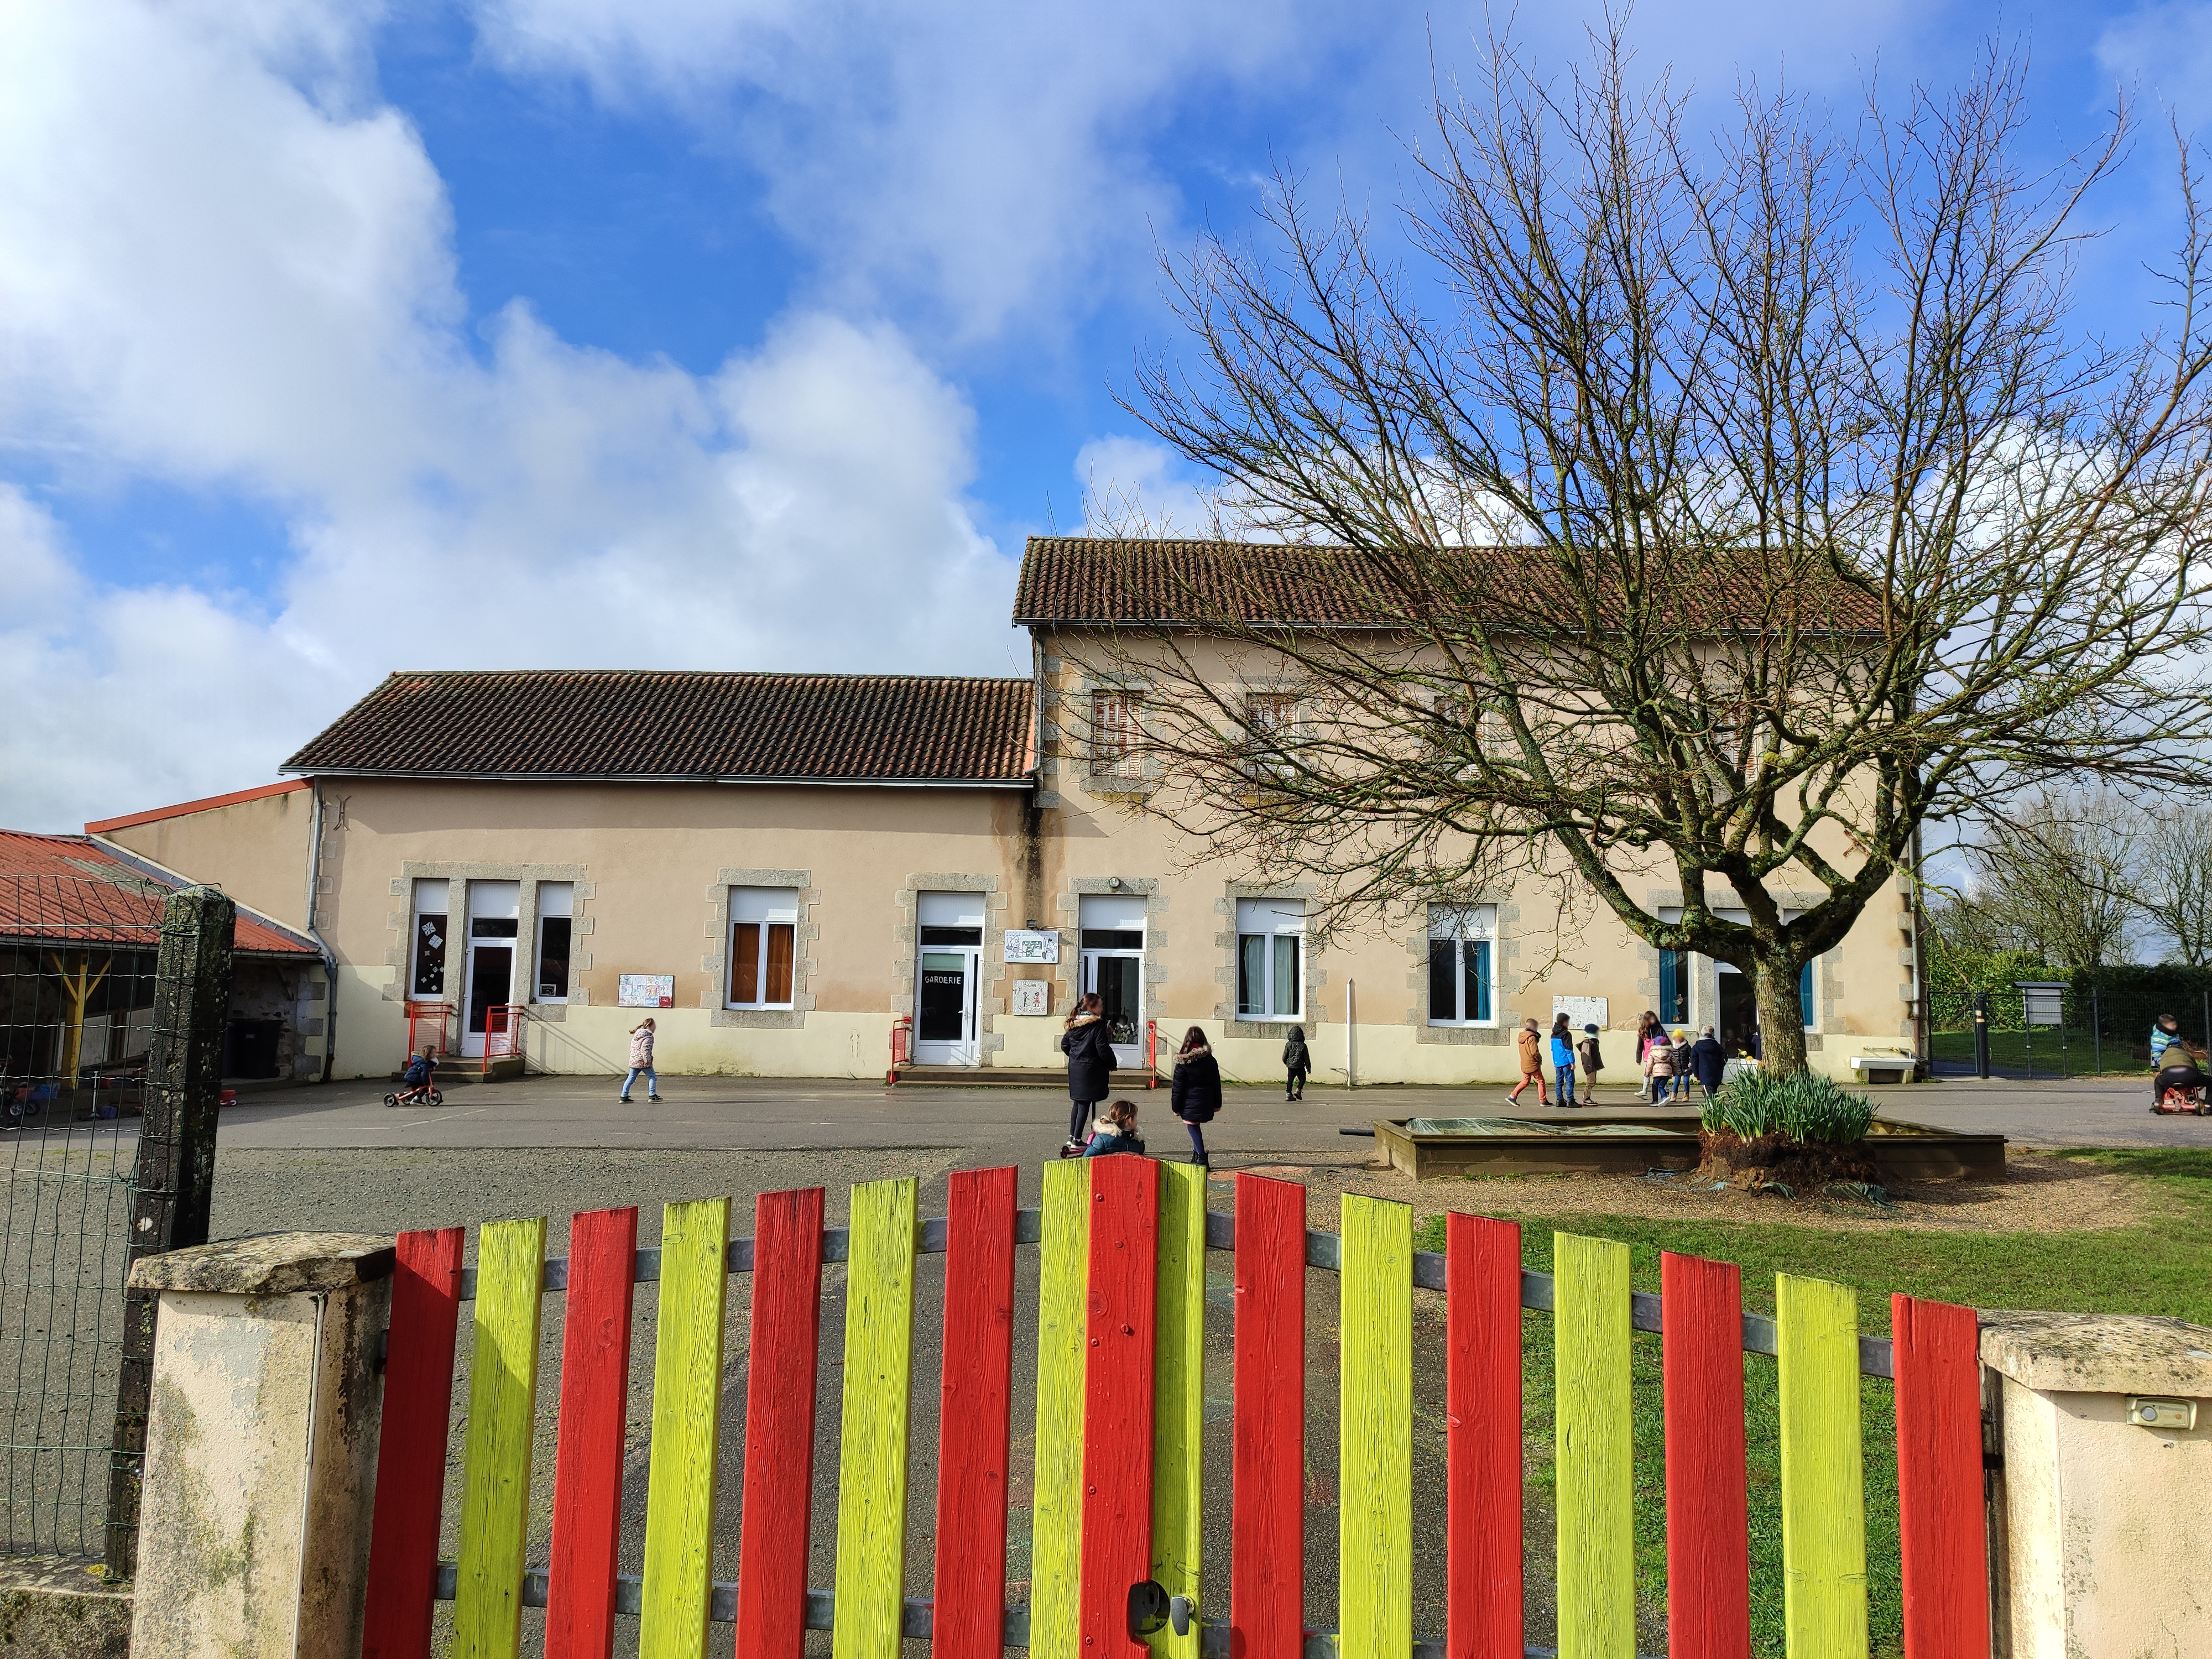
1704,975
1506,984
1066,981
715,963
991,966
1316,977
399,925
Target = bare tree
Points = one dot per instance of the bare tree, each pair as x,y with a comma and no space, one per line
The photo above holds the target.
2173,877
2059,878
1717,514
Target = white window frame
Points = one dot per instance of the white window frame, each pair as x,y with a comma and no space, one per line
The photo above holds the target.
555,902
1742,919
426,887
761,908
1272,918
1464,923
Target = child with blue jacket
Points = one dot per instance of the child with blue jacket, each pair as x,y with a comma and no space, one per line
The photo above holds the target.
1562,1060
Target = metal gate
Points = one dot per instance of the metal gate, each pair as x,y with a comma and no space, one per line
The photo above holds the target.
77,1007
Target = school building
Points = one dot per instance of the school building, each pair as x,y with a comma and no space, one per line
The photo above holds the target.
783,867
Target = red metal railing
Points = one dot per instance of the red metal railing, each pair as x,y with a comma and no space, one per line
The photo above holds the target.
502,1033
431,1023
901,1046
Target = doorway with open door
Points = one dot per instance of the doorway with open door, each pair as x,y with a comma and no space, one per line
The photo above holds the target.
495,911
949,928
1112,950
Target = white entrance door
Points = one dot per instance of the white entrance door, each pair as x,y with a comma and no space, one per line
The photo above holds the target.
1113,965
947,980
494,908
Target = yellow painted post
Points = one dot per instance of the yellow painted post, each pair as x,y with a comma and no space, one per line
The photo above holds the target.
1823,1606
1056,1503
687,1397
495,1458
871,1461
1375,1459
1595,1475
1179,1393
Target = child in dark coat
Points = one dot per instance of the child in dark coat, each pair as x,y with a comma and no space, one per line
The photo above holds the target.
1298,1063
1593,1060
1197,1094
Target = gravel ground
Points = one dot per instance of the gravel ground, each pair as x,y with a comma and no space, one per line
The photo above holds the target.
2039,1193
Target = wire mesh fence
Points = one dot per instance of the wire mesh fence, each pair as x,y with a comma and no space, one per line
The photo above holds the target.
77,959
2054,1030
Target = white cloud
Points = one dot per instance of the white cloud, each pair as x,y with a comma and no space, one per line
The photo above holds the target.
1137,486
222,264
991,156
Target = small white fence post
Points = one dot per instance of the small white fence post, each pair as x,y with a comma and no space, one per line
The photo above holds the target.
260,1446
2106,1426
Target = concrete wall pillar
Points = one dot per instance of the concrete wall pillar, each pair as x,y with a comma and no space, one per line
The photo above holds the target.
2106,1426
260,1446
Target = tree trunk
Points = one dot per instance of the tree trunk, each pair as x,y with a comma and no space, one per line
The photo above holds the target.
1781,1016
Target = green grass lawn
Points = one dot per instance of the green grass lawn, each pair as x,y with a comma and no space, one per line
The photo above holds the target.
2077,1055
2163,1266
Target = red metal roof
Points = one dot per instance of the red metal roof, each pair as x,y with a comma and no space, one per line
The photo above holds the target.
207,804
71,889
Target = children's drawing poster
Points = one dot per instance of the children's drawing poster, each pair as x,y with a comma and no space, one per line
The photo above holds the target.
646,991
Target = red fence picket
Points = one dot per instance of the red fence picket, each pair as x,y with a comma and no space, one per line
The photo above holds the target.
587,1469
967,1621
1117,1418
1941,1534
786,1328
1482,1455
1707,1518
1266,1572
410,1451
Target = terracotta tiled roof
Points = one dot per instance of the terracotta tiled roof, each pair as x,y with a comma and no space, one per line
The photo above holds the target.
70,889
1068,580
592,723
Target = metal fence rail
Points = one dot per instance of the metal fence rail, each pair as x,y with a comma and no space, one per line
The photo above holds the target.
78,960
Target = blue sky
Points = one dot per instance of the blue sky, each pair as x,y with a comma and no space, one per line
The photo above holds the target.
336,338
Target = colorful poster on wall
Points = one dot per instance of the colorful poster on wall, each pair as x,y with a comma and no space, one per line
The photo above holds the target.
1581,1010
1032,996
646,991
1032,944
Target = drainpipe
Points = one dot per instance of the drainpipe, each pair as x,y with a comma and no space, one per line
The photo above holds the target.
330,958
1351,1035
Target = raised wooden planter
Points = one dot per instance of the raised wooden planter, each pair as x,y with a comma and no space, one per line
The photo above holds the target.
1667,1141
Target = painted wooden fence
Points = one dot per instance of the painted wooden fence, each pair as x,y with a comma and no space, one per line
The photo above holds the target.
1118,1486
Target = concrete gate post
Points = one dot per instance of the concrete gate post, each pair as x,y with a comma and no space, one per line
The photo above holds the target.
2106,1426
260,1446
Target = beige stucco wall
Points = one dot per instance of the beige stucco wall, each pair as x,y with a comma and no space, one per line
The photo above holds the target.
255,850
652,864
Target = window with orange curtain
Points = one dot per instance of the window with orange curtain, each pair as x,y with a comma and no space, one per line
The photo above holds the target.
763,946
